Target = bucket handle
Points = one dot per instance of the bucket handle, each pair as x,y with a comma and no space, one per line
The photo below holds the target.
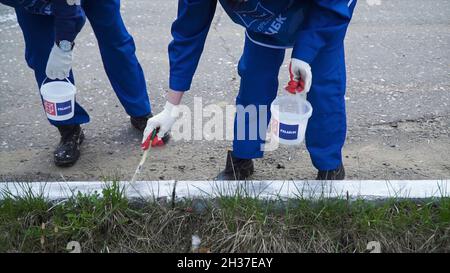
46,78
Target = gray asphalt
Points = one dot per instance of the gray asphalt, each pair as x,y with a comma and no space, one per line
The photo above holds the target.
398,57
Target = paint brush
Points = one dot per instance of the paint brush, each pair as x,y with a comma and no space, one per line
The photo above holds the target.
146,146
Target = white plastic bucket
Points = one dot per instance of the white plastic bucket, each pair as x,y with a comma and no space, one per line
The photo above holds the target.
59,99
290,115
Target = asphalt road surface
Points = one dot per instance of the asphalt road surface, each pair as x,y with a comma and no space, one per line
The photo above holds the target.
398,100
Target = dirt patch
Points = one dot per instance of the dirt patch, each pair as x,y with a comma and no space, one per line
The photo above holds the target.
400,150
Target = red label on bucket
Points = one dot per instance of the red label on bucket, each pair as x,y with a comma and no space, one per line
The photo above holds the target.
50,108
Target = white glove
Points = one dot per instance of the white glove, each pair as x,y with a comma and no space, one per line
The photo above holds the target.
302,71
164,121
59,64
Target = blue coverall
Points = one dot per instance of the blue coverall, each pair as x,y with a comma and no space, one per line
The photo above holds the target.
116,45
314,28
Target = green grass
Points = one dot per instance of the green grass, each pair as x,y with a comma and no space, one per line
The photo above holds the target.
108,222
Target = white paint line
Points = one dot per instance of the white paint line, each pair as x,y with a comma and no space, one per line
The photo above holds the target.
370,189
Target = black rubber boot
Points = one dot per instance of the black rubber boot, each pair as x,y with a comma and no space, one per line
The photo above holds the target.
141,122
68,150
236,168
338,174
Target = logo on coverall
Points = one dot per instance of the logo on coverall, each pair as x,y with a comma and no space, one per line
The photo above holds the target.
267,21
258,14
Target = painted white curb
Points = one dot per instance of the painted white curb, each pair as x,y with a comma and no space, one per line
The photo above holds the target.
370,189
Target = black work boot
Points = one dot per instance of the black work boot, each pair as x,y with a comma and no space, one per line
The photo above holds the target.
68,150
236,168
141,122
338,174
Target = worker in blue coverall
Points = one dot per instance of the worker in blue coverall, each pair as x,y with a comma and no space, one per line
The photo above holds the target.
50,28
315,29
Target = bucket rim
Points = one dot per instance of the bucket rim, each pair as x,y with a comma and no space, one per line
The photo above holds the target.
70,89
289,121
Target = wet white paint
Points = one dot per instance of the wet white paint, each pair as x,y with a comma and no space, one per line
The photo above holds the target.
261,189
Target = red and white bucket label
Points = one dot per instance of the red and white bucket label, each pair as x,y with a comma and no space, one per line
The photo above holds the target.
50,108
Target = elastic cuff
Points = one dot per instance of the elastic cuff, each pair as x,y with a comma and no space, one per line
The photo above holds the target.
180,84
68,122
258,154
142,116
327,166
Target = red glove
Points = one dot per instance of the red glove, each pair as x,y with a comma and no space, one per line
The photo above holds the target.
293,85
301,77
154,140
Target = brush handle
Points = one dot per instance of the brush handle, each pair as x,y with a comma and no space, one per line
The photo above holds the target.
139,167
148,143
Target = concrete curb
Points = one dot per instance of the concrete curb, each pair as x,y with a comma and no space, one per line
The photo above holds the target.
370,189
